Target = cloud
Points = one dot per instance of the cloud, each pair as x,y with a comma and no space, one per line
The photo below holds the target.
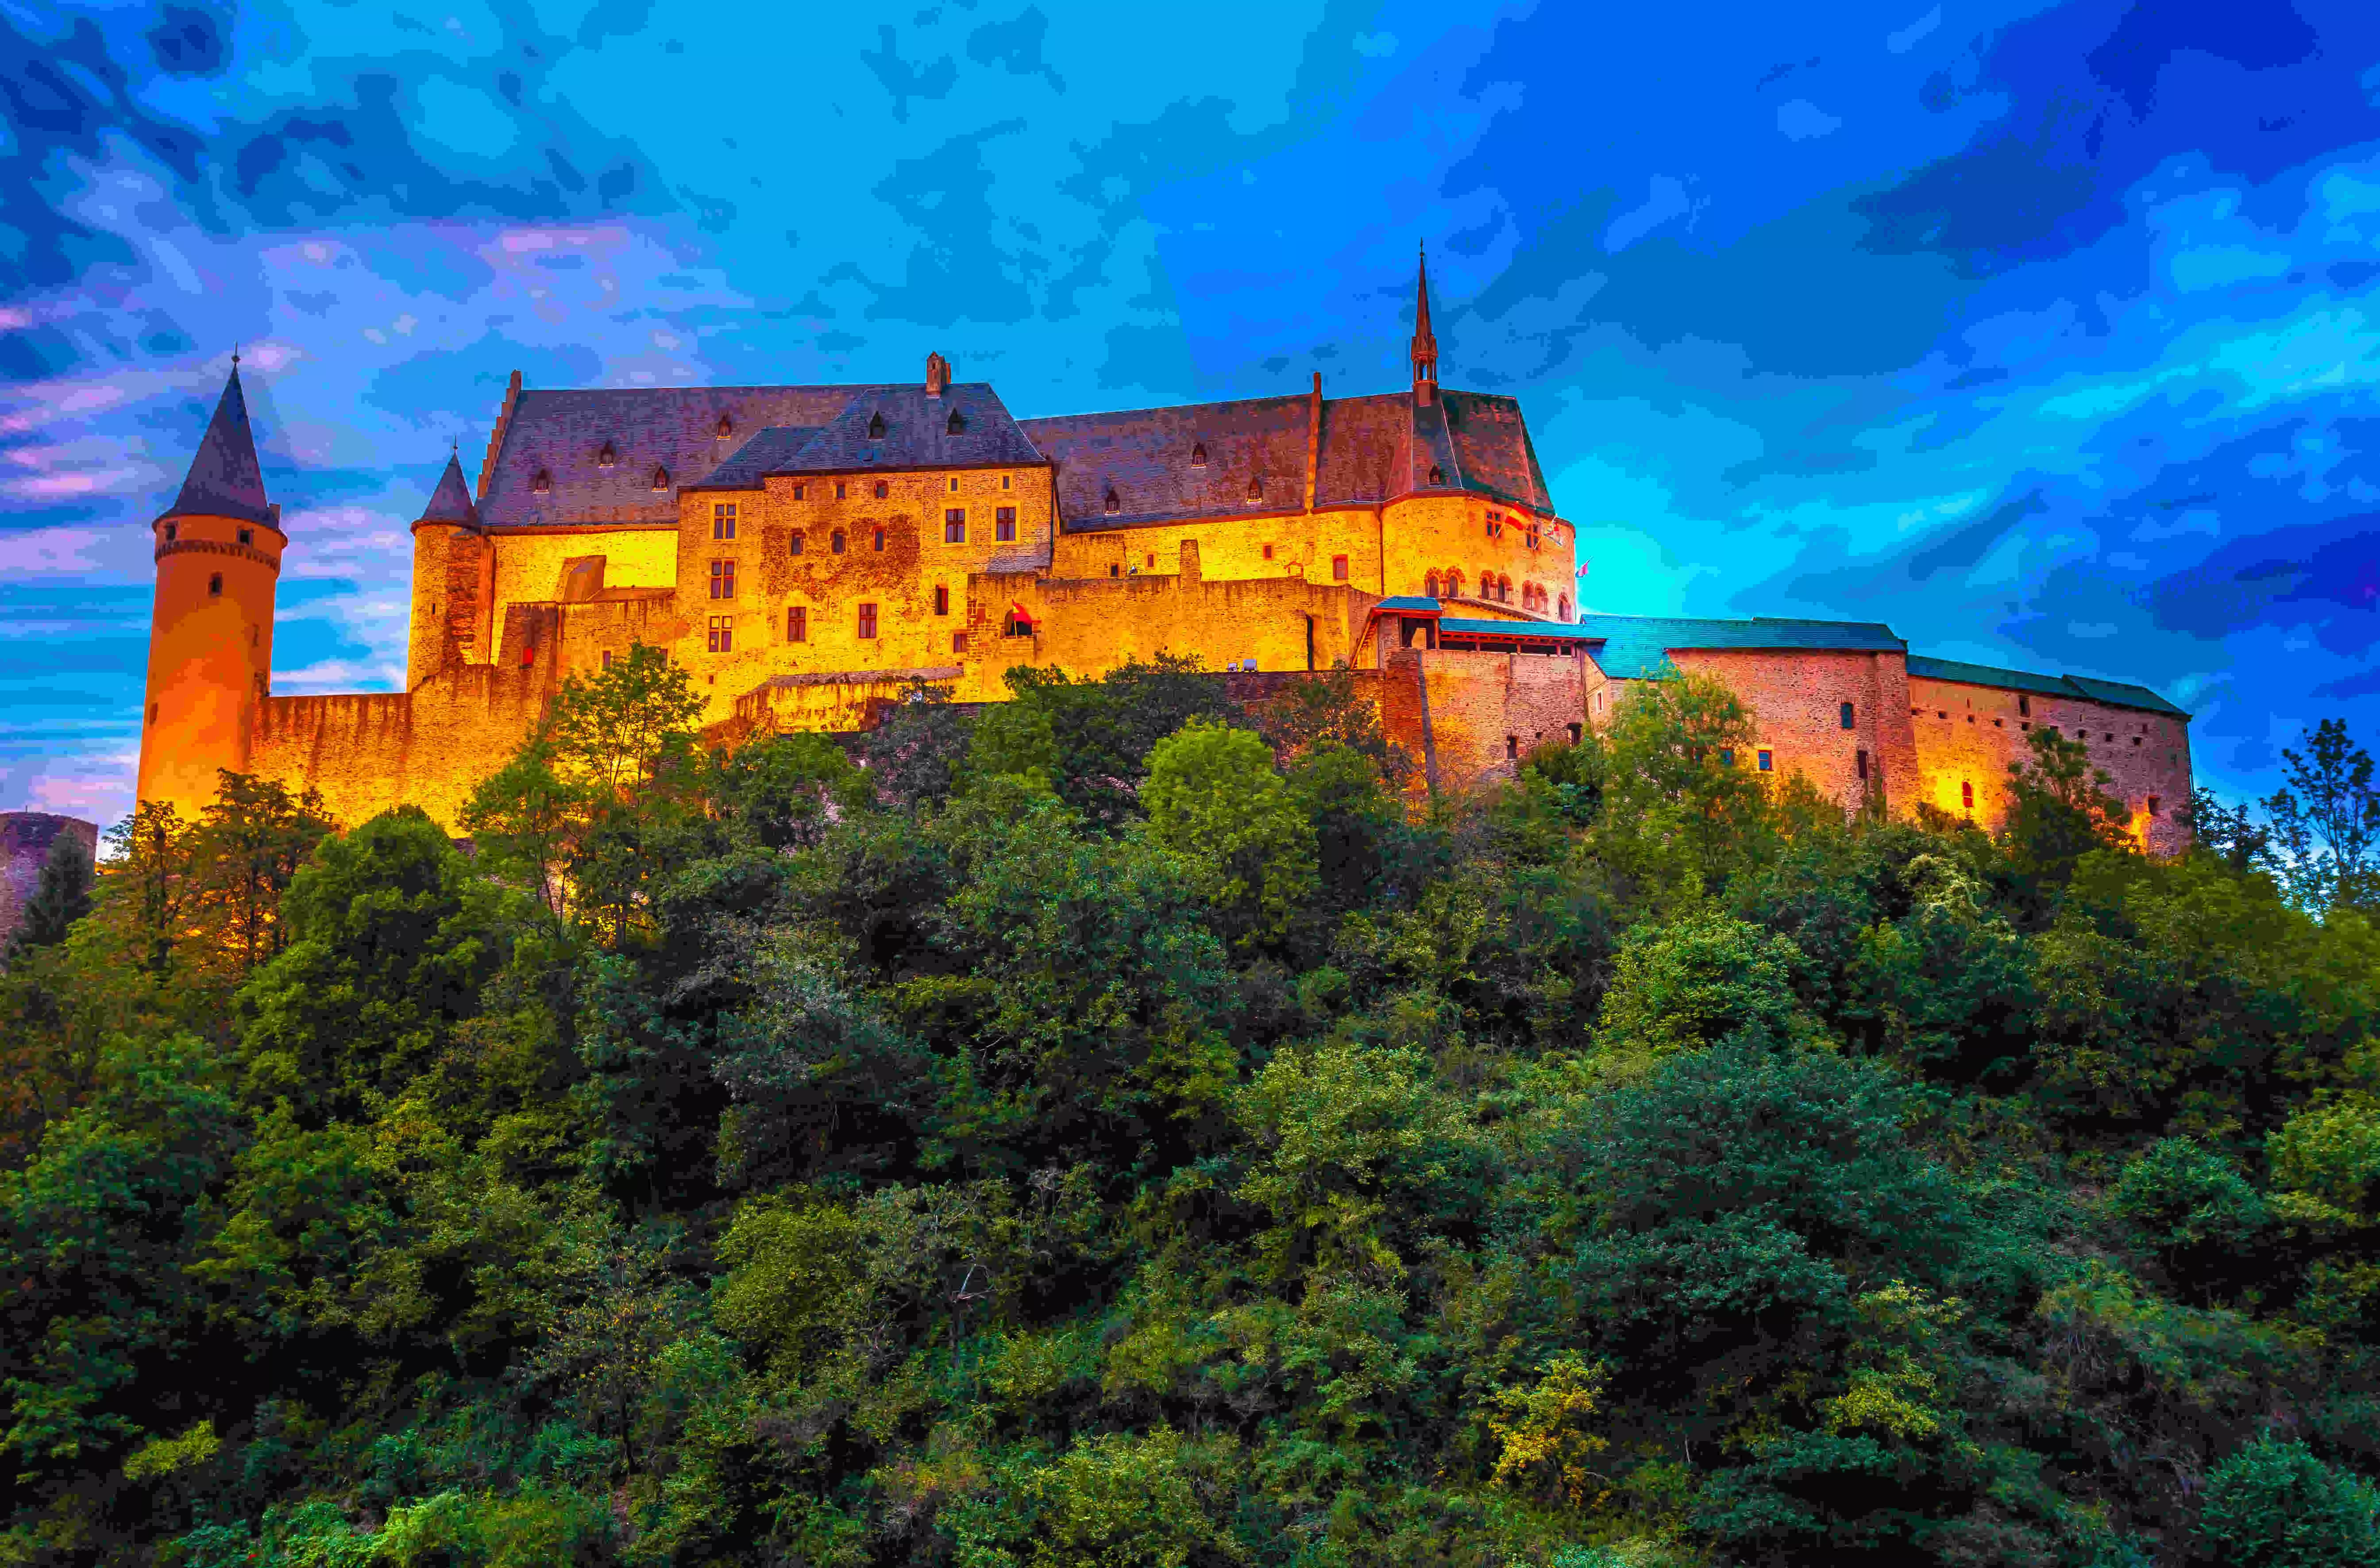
1802,120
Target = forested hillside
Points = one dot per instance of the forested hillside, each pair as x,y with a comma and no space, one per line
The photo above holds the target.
1119,1129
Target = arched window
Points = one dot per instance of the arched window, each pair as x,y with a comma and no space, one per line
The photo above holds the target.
1114,501
834,543
605,456
661,479
876,427
1454,585
794,544
957,422
1564,603
1430,585
1199,454
1503,588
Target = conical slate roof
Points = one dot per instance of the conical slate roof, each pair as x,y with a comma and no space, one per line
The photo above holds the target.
224,481
451,501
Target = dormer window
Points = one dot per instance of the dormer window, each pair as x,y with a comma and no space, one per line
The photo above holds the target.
1255,487
661,479
541,481
1114,501
1199,454
726,428
605,457
876,427
1437,474
957,422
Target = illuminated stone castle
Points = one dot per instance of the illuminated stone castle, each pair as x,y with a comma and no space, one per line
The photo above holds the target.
810,554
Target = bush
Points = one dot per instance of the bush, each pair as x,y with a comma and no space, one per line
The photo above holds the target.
2273,1504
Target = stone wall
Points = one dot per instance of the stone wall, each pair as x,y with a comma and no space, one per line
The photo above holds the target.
1796,698
1479,713
1966,737
25,839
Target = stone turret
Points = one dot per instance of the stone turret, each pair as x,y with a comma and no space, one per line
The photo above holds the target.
450,562
218,553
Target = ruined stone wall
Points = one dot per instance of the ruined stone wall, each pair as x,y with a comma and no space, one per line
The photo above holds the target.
1966,737
536,566
25,840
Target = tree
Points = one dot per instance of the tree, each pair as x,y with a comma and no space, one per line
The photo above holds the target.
1214,799
2062,812
2326,821
250,841
1681,807
61,898
2274,1505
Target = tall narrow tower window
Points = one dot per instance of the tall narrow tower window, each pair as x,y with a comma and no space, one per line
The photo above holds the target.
214,586
247,536
171,531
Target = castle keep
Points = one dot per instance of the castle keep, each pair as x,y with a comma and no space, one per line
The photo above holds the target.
810,553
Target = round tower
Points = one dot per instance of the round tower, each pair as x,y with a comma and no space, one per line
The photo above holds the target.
448,561
211,628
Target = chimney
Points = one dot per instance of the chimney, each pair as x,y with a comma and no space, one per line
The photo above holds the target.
938,375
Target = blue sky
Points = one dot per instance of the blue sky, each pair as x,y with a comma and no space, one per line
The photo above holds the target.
2046,333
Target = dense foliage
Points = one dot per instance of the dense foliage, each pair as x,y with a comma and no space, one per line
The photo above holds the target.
1118,1128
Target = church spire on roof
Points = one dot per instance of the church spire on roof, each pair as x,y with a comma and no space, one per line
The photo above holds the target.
1425,343
225,479
451,501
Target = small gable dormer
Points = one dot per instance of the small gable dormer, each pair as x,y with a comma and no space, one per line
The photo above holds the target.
876,426
957,423
606,456
1199,454
725,428
1114,501
661,479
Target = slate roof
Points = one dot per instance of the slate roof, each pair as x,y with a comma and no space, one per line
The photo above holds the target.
451,501
1409,601
1636,646
1561,631
1374,448
671,427
2115,694
225,479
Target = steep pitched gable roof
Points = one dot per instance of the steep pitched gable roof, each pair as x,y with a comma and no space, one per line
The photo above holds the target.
225,479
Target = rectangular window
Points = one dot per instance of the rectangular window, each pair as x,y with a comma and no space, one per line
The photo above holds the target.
1268,550
941,600
1511,748
723,520
794,544
1577,734
797,623
1727,757
1338,568
958,643
868,621
247,536
839,493
722,579
723,634
1861,760
1495,525
1768,761
607,658
1004,481
1846,716
955,526
879,542
2024,705
1532,537
799,490
1003,525
883,488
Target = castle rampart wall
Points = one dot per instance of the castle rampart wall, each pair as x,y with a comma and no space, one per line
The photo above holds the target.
1484,712
1303,544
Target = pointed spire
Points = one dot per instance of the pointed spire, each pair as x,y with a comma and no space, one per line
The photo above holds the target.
1425,343
451,501
225,478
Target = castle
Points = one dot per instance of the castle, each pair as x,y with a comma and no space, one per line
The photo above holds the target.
809,553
